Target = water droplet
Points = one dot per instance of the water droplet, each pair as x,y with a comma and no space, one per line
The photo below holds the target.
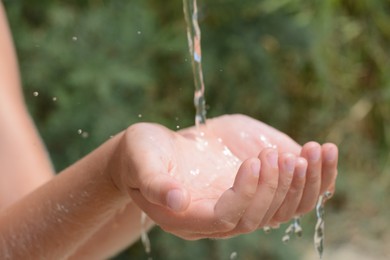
286,238
139,115
74,38
195,172
267,230
79,131
244,135
266,142
85,135
35,93
54,99
177,127
233,255
139,32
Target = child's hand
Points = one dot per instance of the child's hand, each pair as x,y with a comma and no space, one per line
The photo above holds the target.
231,177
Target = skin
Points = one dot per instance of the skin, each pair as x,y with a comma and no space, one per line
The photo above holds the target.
236,177
224,199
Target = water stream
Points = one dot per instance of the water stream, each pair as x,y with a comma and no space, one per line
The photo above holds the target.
319,233
144,235
190,9
320,225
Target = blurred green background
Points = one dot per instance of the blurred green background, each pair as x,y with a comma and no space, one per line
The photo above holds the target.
317,70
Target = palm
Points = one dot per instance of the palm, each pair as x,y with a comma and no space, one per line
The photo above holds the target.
246,137
211,155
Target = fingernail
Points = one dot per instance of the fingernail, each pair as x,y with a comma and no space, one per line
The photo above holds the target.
175,199
272,158
255,168
330,154
289,163
314,154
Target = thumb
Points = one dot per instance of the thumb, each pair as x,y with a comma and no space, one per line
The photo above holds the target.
163,190
149,150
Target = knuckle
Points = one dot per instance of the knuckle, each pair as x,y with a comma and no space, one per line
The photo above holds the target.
247,194
226,225
271,186
247,226
135,128
279,218
303,209
295,191
313,179
285,185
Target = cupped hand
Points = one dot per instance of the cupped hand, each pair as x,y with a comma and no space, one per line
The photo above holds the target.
232,176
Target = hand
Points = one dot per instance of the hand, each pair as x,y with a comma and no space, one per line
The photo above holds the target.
193,184
246,136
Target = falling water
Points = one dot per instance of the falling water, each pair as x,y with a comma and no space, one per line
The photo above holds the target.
193,34
319,229
294,228
144,235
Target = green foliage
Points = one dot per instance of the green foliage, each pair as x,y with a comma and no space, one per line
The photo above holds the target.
314,69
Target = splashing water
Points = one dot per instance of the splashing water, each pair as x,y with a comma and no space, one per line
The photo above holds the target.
294,228
193,34
233,256
319,228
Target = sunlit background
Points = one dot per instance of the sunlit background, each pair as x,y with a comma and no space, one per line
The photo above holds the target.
317,70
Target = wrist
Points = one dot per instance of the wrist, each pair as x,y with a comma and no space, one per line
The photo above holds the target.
117,168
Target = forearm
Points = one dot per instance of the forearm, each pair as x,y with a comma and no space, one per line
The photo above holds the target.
123,229
54,220
24,163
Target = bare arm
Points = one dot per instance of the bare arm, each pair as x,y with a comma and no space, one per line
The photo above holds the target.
57,218
20,146
25,166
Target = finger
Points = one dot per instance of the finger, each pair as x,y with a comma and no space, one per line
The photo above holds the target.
168,220
152,179
291,202
234,201
267,186
164,190
286,169
329,167
312,153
